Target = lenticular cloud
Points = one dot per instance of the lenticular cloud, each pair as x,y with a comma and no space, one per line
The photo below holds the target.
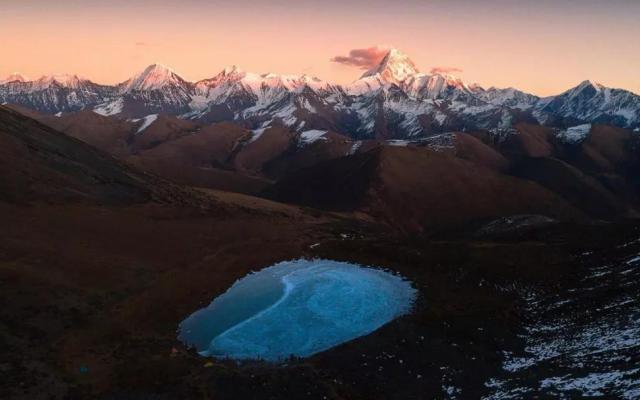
363,58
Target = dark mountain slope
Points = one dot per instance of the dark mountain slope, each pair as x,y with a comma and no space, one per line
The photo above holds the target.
418,189
580,189
203,158
105,133
39,163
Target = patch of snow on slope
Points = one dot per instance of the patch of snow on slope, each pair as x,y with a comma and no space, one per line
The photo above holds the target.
354,148
287,115
308,106
595,384
311,136
571,350
366,115
198,103
398,143
110,108
148,120
575,134
442,142
440,118
410,113
257,133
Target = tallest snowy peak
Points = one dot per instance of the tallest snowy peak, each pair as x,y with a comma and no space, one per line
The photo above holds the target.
155,76
394,67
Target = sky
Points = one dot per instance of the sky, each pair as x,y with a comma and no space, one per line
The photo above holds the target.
540,46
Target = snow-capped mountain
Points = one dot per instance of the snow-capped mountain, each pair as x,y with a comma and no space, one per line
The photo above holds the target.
392,100
60,80
157,89
258,100
592,102
14,77
509,97
154,77
395,100
54,93
395,68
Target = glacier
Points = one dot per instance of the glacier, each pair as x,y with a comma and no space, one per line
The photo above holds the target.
297,308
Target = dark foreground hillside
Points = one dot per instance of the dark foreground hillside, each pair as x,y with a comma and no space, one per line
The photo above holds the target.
100,262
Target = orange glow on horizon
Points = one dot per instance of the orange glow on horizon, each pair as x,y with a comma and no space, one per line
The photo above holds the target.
540,53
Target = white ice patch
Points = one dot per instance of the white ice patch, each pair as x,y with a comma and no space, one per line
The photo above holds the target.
110,108
148,120
575,134
354,148
311,136
595,384
442,142
198,103
440,118
298,308
398,143
257,133
308,106
501,135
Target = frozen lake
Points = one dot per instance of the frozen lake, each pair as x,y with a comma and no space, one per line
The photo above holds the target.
298,308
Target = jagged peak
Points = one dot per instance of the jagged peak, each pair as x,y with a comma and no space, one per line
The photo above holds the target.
158,69
14,77
395,67
294,82
230,73
271,75
155,76
59,77
451,79
64,80
231,70
589,83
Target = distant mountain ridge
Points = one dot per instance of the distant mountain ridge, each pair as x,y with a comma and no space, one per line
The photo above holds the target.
391,101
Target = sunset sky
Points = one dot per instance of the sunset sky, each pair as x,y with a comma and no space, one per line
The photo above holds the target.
540,46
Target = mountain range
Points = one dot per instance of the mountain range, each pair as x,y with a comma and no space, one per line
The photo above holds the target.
391,101
125,208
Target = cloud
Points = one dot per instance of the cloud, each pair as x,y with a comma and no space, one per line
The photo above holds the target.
141,44
363,58
445,70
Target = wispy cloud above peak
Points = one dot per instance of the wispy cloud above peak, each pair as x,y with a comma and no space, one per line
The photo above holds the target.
446,70
363,58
